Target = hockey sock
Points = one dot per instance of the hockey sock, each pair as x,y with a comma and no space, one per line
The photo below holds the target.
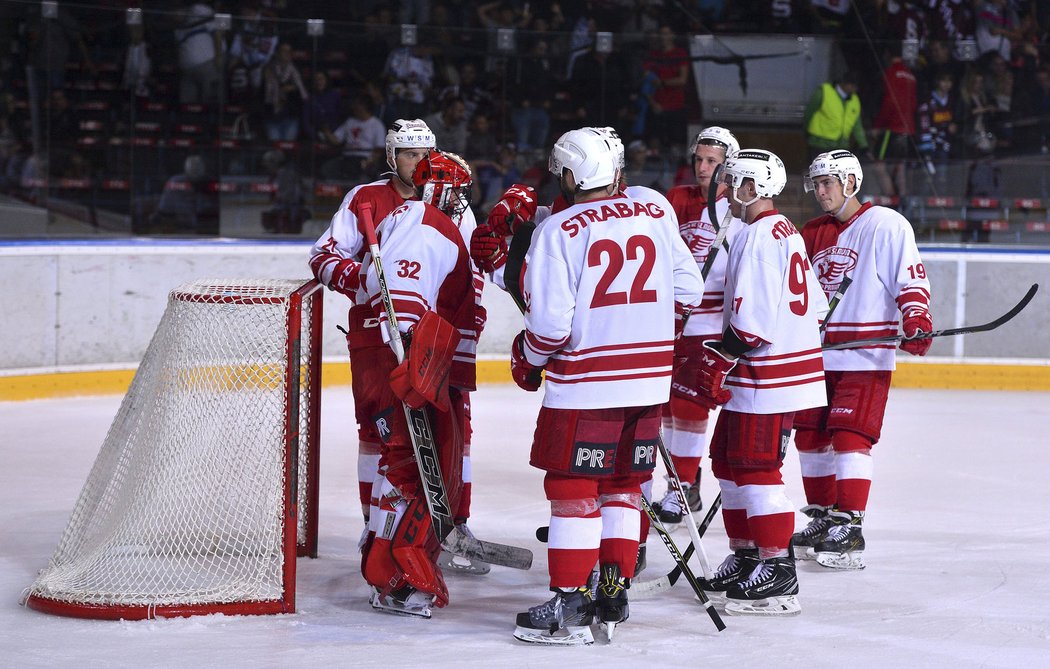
463,511
853,469
734,515
647,492
367,469
621,525
817,462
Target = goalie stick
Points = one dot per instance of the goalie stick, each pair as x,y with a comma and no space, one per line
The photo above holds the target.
452,538
705,601
969,329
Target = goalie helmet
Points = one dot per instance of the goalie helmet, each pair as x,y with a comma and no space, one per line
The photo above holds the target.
839,164
715,136
591,155
407,134
443,179
763,167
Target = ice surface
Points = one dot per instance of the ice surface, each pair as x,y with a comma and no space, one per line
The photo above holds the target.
958,557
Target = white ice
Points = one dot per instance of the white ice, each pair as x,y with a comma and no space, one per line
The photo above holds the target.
958,557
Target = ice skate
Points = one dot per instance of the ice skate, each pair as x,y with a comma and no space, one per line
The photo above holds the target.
770,590
804,540
734,569
843,544
669,509
565,620
461,564
610,603
405,601
639,565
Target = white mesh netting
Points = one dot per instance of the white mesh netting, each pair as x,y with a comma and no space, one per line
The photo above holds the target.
185,504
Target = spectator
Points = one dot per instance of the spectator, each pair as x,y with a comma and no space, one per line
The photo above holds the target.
409,72
531,94
137,65
996,28
982,181
251,50
284,96
832,117
600,90
895,126
977,115
475,95
321,111
200,54
50,42
999,82
667,71
450,126
362,138
189,203
288,212
938,128
644,169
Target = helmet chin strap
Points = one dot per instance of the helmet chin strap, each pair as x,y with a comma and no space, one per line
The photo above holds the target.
743,204
846,199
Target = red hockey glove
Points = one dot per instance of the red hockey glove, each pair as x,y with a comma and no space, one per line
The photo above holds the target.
481,316
714,368
916,320
487,249
681,316
525,374
517,205
346,278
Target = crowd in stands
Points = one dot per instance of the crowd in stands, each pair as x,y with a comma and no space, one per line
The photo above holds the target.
87,86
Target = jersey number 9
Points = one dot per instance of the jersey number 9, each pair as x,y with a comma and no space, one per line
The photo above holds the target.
797,284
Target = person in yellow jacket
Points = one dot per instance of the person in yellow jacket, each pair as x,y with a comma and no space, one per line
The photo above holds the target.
832,117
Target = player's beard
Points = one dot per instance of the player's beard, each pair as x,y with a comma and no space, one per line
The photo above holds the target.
568,193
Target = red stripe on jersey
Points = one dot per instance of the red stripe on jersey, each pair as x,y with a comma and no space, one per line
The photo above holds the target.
778,371
551,378
733,381
752,340
615,347
623,361
534,342
863,324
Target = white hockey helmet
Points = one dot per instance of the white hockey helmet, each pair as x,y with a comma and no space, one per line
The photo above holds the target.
715,136
610,133
839,164
590,154
763,167
407,134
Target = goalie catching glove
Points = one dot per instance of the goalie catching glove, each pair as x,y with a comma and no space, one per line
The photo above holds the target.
714,368
423,375
516,206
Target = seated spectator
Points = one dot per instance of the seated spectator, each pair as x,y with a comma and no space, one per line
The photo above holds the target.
450,126
645,168
288,212
189,202
285,95
321,111
363,140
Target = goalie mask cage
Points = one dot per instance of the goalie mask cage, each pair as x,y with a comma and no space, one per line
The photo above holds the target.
205,489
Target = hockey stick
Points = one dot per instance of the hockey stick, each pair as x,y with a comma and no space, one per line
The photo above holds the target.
676,483
667,581
705,601
426,449
950,332
835,299
712,213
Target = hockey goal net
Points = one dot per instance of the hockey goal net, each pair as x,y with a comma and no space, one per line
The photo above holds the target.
205,488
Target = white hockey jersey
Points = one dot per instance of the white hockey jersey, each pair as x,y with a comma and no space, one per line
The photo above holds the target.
695,227
427,268
774,303
601,279
876,248
342,248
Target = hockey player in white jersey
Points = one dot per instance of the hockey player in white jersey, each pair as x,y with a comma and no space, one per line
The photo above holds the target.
875,247
601,281
766,366
430,281
336,261
686,415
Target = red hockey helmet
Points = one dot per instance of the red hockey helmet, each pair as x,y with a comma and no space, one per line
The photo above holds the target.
443,179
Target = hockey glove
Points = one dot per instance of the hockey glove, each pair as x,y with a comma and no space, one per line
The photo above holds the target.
481,316
714,368
487,249
346,278
916,320
525,374
517,205
681,316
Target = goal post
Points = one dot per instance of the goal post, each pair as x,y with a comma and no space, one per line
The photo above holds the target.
204,491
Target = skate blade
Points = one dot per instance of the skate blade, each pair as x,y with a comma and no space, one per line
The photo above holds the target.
804,553
786,605
462,565
570,636
843,561
412,612
610,629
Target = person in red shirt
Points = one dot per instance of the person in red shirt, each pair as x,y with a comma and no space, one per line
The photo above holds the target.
670,66
895,125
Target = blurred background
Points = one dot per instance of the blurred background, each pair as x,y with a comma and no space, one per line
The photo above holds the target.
251,119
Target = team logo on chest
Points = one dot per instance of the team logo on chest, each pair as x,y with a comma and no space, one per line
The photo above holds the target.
698,236
832,264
